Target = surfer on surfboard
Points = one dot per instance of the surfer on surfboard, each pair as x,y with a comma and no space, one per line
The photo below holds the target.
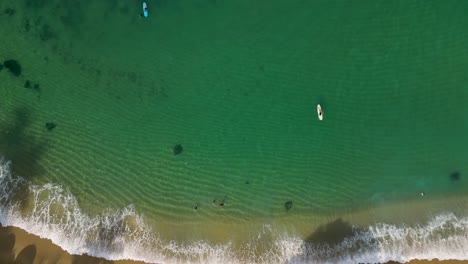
319,112
145,10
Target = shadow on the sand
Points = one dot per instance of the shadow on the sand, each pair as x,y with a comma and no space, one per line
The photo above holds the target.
23,150
7,242
7,254
27,255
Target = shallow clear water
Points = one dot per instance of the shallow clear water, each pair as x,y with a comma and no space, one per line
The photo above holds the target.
236,84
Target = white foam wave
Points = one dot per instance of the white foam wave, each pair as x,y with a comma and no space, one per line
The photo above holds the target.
54,213
443,237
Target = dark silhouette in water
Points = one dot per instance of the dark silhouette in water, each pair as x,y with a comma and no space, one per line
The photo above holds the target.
331,233
46,33
24,150
221,204
50,126
13,66
178,149
9,11
288,205
455,176
27,84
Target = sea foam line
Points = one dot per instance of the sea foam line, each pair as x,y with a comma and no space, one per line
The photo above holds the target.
123,234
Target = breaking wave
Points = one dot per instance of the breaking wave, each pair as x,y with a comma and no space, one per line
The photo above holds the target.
52,212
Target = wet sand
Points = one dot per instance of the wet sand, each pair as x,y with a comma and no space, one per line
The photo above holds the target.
18,246
433,261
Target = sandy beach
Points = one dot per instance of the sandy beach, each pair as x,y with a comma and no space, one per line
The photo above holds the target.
18,246
192,135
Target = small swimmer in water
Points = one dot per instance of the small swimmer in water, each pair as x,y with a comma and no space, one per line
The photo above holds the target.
220,204
421,193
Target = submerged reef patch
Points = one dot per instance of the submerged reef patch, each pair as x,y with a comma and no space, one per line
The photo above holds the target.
455,176
50,126
332,233
46,33
13,66
21,148
9,11
178,149
27,84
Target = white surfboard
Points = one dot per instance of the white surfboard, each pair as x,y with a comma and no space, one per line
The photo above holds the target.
319,112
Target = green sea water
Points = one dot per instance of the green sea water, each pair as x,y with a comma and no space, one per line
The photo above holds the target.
236,84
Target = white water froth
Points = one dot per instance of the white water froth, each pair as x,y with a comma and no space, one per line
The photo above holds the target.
123,234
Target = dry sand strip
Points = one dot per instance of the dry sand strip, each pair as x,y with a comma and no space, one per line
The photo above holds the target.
18,246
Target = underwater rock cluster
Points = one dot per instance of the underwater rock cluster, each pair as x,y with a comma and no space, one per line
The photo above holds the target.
178,149
13,66
455,176
9,11
50,126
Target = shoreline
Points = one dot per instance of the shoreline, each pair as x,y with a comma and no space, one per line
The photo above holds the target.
18,245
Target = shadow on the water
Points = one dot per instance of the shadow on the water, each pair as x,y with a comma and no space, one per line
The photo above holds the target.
455,176
7,254
333,240
85,259
80,259
332,233
23,150
108,234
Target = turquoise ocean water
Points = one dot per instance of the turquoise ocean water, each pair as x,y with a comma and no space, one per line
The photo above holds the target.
236,84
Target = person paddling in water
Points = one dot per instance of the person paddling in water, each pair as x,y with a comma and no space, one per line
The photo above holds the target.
220,205
145,10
